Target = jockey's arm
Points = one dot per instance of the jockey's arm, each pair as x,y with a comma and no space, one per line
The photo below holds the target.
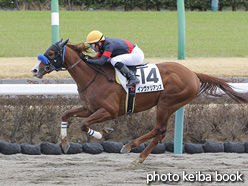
100,61
95,57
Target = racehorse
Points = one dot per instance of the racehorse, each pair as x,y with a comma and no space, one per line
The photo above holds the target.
103,99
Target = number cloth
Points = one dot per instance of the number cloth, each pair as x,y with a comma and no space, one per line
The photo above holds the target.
149,76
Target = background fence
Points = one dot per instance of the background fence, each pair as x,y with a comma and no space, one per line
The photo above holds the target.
127,5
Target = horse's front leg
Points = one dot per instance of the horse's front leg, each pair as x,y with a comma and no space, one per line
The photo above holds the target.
100,115
78,112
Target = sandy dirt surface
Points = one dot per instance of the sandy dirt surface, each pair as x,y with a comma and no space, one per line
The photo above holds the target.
19,68
108,169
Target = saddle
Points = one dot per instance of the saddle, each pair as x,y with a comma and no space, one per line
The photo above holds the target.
139,65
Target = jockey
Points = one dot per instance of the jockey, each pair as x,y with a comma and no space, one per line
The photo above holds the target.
119,52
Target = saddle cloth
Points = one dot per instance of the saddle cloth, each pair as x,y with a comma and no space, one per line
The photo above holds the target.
149,76
150,81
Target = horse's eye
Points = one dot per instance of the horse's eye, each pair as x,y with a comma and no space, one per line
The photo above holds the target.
50,54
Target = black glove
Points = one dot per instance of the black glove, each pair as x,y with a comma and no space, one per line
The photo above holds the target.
84,58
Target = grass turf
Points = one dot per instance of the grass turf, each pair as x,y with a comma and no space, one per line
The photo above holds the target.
208,34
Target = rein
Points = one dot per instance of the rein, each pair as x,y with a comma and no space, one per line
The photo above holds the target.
102,71
75,64
80,91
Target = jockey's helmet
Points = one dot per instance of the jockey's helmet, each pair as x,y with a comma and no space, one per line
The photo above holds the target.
94,36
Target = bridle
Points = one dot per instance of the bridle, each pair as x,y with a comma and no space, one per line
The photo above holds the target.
57,63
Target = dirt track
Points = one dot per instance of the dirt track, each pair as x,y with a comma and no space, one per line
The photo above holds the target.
19,68
108,169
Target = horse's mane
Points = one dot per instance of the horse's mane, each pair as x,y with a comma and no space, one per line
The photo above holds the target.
79,48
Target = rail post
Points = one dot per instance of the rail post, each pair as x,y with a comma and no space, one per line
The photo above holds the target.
181,29
55,20
214,5
178,134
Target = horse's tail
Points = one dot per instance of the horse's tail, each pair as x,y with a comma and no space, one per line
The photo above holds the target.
210,84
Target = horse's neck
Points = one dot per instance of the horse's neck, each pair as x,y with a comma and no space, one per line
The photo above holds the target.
81,73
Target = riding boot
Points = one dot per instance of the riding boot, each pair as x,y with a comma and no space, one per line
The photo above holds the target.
132,79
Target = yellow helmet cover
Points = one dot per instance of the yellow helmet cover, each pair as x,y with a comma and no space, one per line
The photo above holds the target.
94,36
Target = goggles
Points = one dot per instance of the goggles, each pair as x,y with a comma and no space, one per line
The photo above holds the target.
92,46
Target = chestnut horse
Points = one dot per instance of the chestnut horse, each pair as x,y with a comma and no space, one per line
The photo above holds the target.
104,100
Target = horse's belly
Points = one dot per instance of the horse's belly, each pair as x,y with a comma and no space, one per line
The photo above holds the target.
145,101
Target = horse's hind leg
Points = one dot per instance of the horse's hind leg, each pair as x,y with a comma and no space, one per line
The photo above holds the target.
163,115
147,151
159,134
162,118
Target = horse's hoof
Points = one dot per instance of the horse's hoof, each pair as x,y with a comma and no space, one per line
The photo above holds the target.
132,165
125,150
136,163
106,131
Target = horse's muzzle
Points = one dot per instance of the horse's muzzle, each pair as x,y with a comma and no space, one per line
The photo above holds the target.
37,73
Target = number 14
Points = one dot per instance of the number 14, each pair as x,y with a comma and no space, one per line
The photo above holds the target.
152,76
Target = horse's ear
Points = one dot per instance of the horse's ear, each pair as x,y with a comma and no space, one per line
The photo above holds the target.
62,44
58,42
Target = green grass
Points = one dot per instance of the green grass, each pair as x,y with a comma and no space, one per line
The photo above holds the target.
208,34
